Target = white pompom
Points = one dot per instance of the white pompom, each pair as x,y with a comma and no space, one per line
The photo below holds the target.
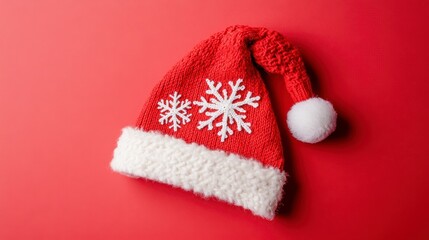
312,120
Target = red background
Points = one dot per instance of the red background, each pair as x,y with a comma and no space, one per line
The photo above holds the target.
73,73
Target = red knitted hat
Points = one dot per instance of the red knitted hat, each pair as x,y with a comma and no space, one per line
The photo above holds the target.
208,126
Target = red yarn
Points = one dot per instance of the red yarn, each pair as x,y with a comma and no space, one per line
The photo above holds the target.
228,56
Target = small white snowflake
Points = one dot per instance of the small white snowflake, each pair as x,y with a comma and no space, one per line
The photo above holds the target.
226,107
172,110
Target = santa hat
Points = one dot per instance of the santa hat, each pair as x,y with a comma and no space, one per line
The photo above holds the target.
208,126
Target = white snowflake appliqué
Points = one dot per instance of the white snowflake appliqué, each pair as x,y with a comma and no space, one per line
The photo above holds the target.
174,111
227,107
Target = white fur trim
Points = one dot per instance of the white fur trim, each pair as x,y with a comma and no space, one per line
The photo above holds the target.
312,120
228,177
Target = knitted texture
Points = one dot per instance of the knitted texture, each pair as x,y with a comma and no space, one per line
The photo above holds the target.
208,77
208,126
228,177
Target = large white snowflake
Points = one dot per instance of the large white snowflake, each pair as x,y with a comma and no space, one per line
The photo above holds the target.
228,108
174,111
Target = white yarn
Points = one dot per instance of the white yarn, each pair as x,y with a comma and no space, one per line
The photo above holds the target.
312,120
228,177
174,111
229,108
